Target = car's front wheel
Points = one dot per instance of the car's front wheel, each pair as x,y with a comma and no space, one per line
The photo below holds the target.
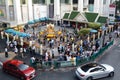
89,78
111,74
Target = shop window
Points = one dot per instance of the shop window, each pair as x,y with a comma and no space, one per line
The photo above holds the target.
111,15
52,1
75,1
10,2
2,2
23,1
75,8
65,1
104,1
91,7
4,25
91,1
38,1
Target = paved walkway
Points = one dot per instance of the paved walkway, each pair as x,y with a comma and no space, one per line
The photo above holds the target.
12,55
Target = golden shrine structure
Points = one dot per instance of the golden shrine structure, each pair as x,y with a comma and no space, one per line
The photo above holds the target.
50,32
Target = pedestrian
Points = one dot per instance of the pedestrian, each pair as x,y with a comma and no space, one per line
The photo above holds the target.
110,37
58,49
15,43
24,51
11,45
21,52
32,61
33,50
53,52
46,56
36,63
16,50
6,52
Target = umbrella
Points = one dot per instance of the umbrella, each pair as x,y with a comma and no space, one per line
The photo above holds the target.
42,19
15,33
23,35
27,35
31,22
9,30
93,30
36,20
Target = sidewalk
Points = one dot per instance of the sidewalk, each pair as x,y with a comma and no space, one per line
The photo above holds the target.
3,58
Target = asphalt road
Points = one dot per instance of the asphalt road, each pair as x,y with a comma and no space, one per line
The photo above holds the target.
112,57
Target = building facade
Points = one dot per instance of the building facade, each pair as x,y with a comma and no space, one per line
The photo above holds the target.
15,12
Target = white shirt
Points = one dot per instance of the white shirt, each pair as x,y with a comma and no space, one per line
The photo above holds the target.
21,50
32,59
11,45
33,47
24,50
15,43
16,50
6,50
68,58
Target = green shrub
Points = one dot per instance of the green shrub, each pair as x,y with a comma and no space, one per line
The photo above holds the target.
84,31
95,26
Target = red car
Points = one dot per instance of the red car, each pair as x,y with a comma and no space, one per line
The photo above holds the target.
19,69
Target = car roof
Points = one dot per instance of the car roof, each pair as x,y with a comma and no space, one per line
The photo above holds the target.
15,62
88,66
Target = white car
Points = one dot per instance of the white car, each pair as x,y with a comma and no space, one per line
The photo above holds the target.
93,70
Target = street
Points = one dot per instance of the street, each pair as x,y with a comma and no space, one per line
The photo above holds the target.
111,57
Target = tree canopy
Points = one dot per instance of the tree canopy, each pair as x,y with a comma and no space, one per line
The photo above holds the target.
84,31
95,26
117,5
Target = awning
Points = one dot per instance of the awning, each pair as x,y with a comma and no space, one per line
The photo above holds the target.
14,32
73,14
9,30
66,16
91,17
102,19
43,19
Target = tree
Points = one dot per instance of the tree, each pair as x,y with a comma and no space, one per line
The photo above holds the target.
117,5
95,26
84,31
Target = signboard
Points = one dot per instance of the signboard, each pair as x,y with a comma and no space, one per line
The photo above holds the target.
112,8
40,11
2,12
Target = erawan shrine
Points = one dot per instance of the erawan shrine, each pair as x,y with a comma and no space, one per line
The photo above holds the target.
50,32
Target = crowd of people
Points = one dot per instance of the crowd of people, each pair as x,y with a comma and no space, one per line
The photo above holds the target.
68,47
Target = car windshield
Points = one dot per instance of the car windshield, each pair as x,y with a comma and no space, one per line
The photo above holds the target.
86,67
23,67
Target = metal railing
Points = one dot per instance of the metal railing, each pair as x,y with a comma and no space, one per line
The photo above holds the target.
60,64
